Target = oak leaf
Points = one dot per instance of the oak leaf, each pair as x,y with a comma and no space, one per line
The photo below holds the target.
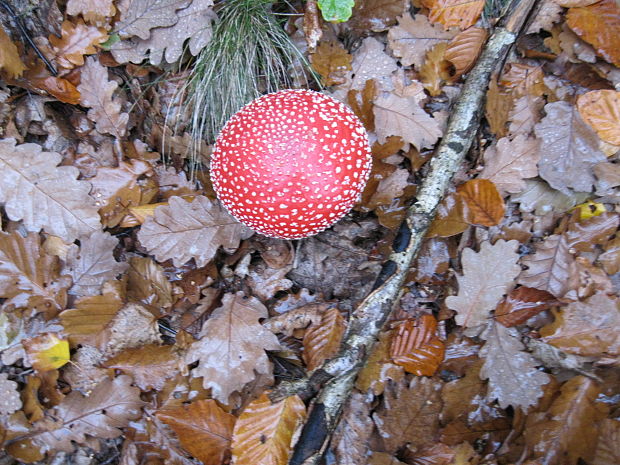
149,365
541,199
548,267
601,110
569,149
93,11
485,205
10,396
203,428
184,230
331,60
44,196
524,115
598,24
416,347
371,62
92,263
403,117
413,37
512,373
322,341
510,162
96,93
111,405
487,276
77,40
460,13
231,346
10,60
264,431
139,17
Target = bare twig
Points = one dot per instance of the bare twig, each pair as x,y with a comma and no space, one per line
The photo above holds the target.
338,375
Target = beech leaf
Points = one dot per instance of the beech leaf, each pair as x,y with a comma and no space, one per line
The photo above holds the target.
485,206
460,13
416,346
601,110
322,341
548,267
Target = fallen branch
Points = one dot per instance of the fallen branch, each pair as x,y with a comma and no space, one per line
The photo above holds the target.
336,377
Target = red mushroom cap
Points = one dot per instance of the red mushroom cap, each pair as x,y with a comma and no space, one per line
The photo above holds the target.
291,163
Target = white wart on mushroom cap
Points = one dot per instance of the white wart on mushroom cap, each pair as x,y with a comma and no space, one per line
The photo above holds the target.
291,163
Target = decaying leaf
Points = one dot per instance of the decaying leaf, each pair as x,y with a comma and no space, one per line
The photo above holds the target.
264,431
512,373
147,283
459,13
487,276
203,428
184,230
322,341
10,60
231,346
548,267
434,72
379,369
9,396
45,196
353,431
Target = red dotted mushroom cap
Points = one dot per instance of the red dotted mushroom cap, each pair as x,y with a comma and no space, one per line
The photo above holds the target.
291,163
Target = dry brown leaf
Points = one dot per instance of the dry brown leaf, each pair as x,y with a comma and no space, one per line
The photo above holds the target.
584,235
109,181
433,260
332,61
413,37
569,149
92,263
96,93
601,110
231,346
522,304
147,283
109,407
462,395
434,72
376,15
487,276
93,11
570,428
509,162
265,281
77,40
29,277
9,396
524,115
168,43
44,196
499,101
149,365
389,188
585,280
409,414
264,431
378,369
588,328
512,373
485,206
203,428
138,17
463,50
350,440
86,323
371,62
459,13
548,268
608,446
403,117
610,259
297,318
542,199
184,230
322,341
522,79
416,346
598,24
10,60
450,217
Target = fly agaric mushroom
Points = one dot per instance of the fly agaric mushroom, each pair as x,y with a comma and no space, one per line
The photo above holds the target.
291,163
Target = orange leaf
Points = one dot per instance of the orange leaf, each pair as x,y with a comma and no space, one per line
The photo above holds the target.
149,365
323,341
485,204
416,347
521,304
264,431
47,351
203,428
599,25
331,61
460,13
9,56
450,218
76,41
601,110
463,50
60,88
434,71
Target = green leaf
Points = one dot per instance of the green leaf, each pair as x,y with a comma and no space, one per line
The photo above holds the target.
336,11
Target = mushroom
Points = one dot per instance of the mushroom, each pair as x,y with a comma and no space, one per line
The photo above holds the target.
291,163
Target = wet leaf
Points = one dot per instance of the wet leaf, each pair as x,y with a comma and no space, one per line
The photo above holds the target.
203,428
548,267
10,60
322,341
371,62
77,40
376,15
462,14
264,431
149,365
10,401
147,283
138,17
487,276
379,369
463,50
434,72
450,217
416,346
524,115
93,11
522,304
47,351
485,206
331,61
601,110
350,441
584,235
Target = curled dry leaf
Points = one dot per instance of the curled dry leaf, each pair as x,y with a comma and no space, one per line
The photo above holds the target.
434,72
512,373
77,40
601,110
485,206
203,428
56,201
416,347
264,431
522,304
452,13
231,346
184,230
487,276
463,50
322,341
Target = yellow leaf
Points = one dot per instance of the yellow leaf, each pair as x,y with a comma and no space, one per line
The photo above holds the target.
9,57
589,210
47,351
